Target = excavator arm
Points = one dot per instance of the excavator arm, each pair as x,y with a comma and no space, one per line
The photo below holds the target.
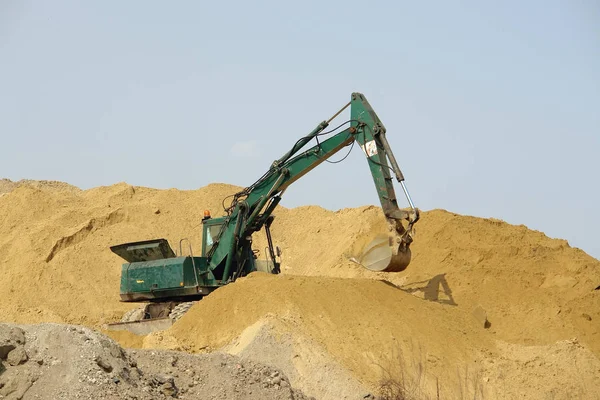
251,208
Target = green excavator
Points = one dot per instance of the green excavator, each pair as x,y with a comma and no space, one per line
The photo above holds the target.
169,283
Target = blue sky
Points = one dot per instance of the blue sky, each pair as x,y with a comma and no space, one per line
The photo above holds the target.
492,108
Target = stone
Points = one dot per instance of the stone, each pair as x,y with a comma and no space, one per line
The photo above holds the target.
17,356
10,338
169,389
586,316
162,379
105,365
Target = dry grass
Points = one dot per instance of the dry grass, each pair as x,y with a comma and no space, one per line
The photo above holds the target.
406,378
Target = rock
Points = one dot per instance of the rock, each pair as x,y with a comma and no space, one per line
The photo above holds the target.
17,356
10,337
169,389
8,386
160,379
587,316
125,375
166,384
105,365
116,351
276,380
23,387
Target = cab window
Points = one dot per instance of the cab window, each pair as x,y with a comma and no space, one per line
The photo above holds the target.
211,233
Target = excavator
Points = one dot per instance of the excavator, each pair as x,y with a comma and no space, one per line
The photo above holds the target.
169,283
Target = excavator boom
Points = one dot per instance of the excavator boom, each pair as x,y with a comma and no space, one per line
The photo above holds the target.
251,207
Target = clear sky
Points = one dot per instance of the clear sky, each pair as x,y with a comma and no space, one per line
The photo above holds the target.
492,108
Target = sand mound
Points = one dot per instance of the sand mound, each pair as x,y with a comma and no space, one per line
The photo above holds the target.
533,290
54,246
357,321
370,327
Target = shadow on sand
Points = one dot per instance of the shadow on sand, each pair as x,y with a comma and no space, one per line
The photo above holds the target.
430,288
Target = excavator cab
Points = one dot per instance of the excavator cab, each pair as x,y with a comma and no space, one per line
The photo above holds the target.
211,232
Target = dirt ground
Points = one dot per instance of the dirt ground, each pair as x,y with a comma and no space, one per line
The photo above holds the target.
485,310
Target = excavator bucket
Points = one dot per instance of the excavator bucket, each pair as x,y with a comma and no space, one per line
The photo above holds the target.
384,254
384,244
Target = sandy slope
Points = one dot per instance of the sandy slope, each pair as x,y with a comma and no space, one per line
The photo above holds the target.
539,293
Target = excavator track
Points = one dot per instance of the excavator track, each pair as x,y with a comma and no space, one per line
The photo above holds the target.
179,310
151,317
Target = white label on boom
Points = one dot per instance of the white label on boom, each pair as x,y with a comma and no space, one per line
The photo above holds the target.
370,148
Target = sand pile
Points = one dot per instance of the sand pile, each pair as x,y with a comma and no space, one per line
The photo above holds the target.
533,290
6,185
54,246
370,327
357,321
